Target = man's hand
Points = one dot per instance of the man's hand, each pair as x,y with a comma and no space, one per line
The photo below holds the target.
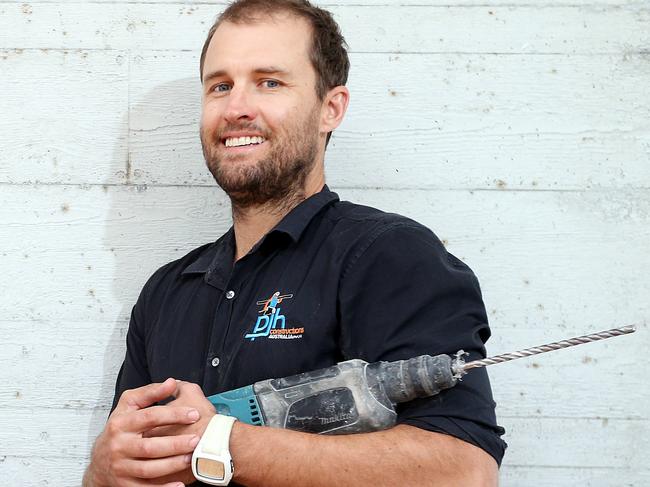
123,457
187,395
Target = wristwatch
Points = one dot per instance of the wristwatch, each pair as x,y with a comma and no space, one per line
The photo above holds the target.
211,460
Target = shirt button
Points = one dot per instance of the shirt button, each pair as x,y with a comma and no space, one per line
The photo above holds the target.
230,294
215,361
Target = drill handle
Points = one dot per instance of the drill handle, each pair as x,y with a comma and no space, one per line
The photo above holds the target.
240,403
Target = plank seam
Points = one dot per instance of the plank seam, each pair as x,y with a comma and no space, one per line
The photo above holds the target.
574,467
641,51
145,186
604,3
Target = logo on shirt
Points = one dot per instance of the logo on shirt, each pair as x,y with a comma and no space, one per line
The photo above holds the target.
271,323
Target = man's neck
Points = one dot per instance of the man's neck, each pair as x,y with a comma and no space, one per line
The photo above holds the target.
252,223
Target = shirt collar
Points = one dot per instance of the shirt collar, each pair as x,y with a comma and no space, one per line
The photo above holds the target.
223,250
293,225
295,222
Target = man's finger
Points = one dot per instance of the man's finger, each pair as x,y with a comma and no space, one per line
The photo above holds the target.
145,396
159,467
165,446
177,389
159,431
146,419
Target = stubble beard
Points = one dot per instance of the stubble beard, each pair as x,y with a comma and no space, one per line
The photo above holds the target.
277,180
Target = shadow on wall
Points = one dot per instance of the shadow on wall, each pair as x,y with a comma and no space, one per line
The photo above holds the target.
153,217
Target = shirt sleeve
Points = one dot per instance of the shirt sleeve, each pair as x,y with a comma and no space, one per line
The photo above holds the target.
134,371
402,295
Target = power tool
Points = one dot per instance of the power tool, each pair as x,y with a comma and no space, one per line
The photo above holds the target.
349,397
356,396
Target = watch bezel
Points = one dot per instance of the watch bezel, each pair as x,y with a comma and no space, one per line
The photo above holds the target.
223,458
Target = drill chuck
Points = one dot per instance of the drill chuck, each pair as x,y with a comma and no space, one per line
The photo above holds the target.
422,376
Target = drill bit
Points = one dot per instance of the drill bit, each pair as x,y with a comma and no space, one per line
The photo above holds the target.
460,368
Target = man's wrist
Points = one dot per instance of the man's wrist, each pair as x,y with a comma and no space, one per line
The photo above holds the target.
212,461
240,436
87,480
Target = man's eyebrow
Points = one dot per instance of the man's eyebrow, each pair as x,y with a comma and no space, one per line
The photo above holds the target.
270,70
214,74
261,70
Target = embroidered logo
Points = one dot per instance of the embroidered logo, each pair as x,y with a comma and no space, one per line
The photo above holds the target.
271,323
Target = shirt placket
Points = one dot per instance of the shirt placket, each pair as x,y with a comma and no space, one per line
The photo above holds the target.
221,352
214,359
223,349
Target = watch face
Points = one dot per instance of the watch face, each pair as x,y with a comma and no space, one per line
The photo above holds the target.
210,469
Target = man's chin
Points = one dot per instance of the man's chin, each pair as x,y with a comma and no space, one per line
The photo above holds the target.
243,189
246,198
239,156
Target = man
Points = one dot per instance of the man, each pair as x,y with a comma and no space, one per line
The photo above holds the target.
273,74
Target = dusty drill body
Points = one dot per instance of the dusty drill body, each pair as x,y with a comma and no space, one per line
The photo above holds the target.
355,396
351,397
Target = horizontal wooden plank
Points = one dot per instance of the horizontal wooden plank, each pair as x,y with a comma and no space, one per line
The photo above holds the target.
60,365
422,28
565,259
533,476
584,381
64,116
564,122
42,470
100,236
559,442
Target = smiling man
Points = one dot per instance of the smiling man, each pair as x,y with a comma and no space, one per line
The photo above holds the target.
261,116
295,285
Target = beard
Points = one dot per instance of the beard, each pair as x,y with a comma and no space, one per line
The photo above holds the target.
278,177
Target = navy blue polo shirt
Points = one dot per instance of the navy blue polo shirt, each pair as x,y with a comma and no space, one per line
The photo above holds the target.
332,281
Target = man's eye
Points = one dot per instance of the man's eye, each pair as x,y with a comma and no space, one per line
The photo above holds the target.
271,83
221,87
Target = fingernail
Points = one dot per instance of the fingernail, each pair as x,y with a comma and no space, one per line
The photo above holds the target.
194,441
193,415
188,458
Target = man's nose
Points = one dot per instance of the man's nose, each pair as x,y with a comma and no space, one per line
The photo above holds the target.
240,105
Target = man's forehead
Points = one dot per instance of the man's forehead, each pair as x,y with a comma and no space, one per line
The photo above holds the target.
280,40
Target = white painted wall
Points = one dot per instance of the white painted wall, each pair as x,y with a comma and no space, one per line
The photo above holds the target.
519,131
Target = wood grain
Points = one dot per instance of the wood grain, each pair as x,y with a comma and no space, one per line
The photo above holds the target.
369,28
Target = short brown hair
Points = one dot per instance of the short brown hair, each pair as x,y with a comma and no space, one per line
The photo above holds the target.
328,53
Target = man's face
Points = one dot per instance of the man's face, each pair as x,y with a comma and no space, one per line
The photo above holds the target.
260,121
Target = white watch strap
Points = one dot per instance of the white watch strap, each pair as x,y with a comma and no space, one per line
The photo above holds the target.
211,461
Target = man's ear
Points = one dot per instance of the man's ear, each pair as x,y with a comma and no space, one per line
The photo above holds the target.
335,104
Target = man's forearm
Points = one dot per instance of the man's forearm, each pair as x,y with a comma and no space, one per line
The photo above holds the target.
403,455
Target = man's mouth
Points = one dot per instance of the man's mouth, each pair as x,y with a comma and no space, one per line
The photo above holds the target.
243,141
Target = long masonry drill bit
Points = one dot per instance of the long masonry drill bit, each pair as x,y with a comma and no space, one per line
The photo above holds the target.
460,368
